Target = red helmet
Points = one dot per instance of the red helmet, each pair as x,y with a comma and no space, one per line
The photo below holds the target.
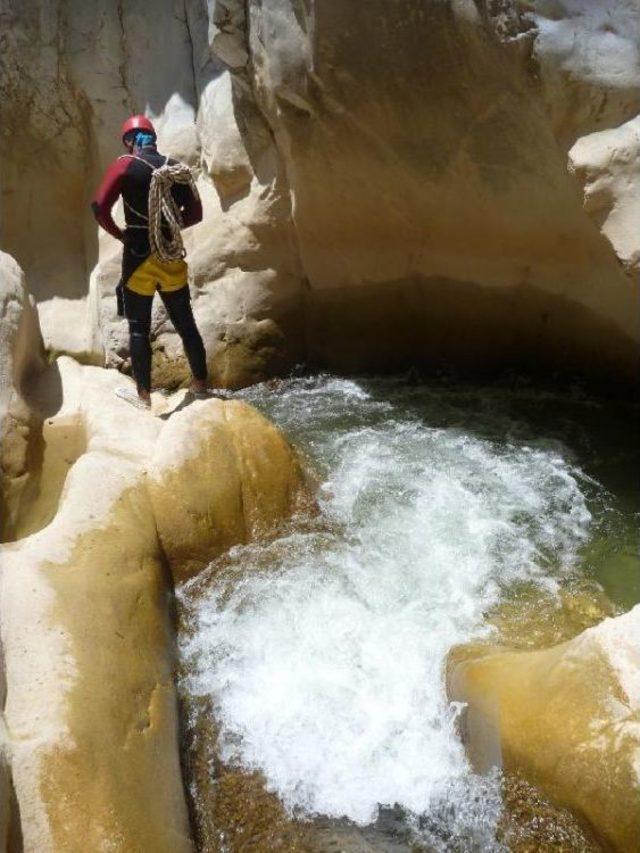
138,122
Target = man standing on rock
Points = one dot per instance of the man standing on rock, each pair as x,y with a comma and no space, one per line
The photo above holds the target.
160,198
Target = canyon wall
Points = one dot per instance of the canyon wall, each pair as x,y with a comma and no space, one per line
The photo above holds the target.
385,185
21,359
382,189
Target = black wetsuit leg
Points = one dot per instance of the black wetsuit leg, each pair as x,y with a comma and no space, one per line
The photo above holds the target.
137,310
178,305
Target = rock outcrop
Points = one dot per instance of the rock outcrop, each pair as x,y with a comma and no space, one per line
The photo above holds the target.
21,358
567,717
381,189
220,475
457,232
90,718
607,164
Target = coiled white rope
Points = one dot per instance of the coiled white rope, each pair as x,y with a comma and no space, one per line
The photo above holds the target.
164,213
162,206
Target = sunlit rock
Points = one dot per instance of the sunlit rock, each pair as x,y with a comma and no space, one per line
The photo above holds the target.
608,166
587,60
567,717
433,212
385,189
88,646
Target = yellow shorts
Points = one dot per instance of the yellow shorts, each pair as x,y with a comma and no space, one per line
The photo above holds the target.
153,273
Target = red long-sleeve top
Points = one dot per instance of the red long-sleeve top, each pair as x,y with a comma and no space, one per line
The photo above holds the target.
129,177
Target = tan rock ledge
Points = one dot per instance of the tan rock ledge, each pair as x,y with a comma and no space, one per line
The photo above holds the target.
90,716
567,717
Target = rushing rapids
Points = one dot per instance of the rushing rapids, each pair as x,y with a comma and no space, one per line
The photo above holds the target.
323,651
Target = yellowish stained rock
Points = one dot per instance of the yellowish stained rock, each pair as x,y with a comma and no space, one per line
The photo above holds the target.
221,475
117,785
91,722
567,717
380,190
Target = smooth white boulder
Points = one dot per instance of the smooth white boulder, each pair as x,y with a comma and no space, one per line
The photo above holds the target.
607,164
21,359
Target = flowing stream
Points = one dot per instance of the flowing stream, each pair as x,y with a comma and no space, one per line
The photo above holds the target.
323,651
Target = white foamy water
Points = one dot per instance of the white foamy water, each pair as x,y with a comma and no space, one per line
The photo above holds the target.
323,652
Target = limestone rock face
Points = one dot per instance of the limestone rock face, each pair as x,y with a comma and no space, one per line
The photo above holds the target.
90,717
380,189
90,710
21,359
607,164
71,72
432,207
588,60
568,717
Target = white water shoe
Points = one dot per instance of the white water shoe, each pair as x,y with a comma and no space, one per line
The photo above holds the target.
131,396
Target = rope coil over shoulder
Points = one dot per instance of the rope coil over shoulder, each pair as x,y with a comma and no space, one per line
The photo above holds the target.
163,210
